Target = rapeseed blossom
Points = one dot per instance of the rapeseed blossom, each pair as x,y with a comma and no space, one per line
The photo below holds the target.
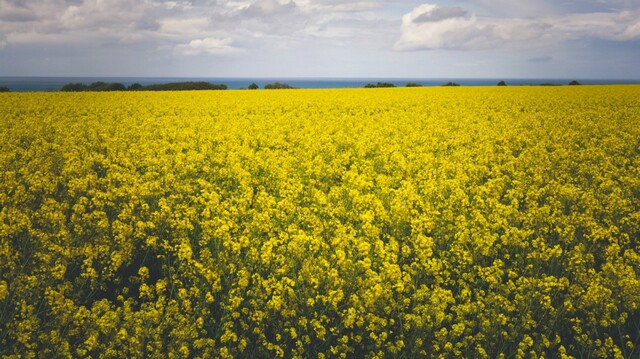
422,222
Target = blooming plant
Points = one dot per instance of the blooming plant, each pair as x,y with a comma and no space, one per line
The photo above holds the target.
407,222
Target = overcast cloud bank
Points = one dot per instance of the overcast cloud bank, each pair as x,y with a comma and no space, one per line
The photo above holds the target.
308,37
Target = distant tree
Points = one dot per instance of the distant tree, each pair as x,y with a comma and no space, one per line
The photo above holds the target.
451,84
106,86
253,86
379,85
116,87
502,83
183,86
414,84
98,86
278,86
4,89
574,83
134,87
74,87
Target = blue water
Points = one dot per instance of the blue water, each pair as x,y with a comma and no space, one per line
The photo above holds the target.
25,84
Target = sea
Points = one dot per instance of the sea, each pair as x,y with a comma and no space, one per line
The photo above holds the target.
30,84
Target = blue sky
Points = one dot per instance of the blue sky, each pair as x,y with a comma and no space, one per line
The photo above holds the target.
321,38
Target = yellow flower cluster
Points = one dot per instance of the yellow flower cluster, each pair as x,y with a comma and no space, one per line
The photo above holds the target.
418,222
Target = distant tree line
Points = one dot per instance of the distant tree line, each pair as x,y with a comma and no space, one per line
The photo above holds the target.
173,86
4,89
572,83
415,84
202,85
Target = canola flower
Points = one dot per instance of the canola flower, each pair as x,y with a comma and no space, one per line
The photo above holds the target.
422,222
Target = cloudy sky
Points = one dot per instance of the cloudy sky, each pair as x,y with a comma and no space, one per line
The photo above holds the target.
321,38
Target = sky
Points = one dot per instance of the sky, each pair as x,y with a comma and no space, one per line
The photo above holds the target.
578,39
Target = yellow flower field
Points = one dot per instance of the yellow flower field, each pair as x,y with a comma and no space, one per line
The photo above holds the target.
410,222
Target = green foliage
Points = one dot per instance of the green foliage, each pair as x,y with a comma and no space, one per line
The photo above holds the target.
379,85
181,86
134,87
278,86
574,83
96,86
502,83
253,86
451,84
414,84
173,86
74,87
106,86
4,89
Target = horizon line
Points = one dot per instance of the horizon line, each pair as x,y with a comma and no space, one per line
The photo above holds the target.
321,77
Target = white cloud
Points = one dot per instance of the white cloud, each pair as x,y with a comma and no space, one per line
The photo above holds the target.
431,26
184,26
79,22
171,24
608,26
12,12
520,8
433,13
269,7
332,7
116,15
632,32
260,19
208,45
